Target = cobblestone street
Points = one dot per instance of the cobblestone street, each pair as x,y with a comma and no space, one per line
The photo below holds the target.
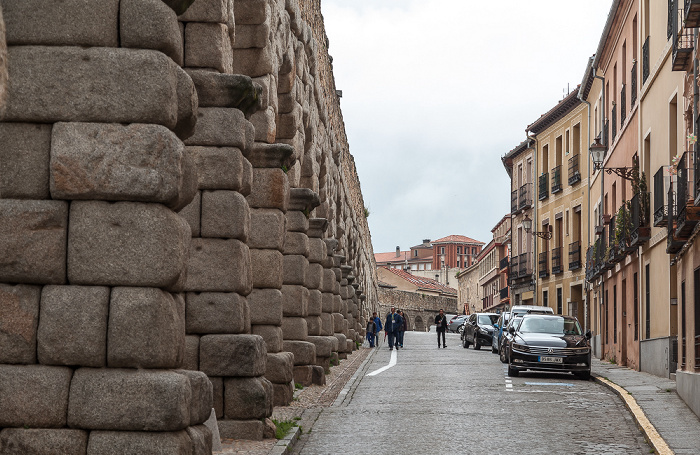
460,400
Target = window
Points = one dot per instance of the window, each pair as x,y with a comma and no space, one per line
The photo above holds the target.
442,250
647,298
457,263
682,334
414,267
421,267
545,298
560,302
459,250
636,307
607,319
415,253
615,314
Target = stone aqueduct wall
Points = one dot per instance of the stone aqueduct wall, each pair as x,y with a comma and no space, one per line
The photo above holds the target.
416,306
181,221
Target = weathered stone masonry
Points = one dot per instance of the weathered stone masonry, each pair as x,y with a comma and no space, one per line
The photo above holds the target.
181,222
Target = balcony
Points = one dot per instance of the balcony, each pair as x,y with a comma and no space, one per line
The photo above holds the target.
513,270
673,243
682,36
503,264
623,104
640,231
556,179
633,84
645,60
686,213
661,184
557,266
525,196
504,294
524,266
543,187
595,258
692,14
514,201
574,173
542,265
575,255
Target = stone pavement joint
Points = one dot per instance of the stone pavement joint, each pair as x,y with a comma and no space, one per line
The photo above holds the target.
643,422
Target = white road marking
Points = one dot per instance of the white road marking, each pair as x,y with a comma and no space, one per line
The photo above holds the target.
392,362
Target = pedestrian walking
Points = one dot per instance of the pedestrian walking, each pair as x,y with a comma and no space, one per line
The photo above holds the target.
403,328
378,325
441,327
371,332
391,327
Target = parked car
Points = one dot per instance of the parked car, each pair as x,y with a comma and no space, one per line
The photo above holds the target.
478,330
456,323
498,331
507,337
549,343
530,309
517,311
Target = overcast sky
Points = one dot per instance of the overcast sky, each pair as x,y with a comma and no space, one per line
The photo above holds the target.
435,92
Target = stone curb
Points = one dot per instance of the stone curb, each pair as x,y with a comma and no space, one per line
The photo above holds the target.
285,445
650,433
348,385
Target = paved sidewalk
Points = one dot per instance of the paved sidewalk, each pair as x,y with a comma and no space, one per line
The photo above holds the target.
672,427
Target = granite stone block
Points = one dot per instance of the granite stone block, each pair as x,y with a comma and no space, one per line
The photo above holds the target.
19,318
24,160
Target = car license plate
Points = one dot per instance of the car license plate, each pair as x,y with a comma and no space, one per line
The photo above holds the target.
551,359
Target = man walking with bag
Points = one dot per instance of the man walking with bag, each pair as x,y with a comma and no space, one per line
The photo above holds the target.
441,327
394,321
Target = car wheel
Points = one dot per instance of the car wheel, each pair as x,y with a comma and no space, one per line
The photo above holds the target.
512,372
460,329
502,355
477,346
584,375
493,349
465,343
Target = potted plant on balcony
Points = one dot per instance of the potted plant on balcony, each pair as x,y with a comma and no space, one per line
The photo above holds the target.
608,262
623,227
639,186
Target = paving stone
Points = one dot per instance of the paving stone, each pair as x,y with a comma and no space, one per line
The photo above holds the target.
266,268
241,429
294,328
191,361
225,214
216,312
265,306
150,24
208,45
34,395
220,265
21,441
19,317
139,443
247,398
227,90
146,329
24,160
33,241
268,229
279,367
272,334
223,127
304,352
73,326
295,300
70,22
206,11
202,396
129,400
232,355
270,189
102,161
52,84
218,168
295,266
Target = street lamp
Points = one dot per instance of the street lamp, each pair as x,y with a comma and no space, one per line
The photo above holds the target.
527,225
598,152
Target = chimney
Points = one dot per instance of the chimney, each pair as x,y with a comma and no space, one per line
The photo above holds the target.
398,252
426,241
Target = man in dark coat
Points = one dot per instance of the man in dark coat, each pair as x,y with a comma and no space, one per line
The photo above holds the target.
441,327
394,322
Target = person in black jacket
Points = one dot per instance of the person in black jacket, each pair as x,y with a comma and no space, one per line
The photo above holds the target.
441,327
393,322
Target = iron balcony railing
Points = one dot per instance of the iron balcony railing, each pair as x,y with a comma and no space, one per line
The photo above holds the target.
514,201
542,265
640,231
682,189
513,270
525,196
692,13
590,262
557,266
672,8
623,105
645,60
503,264
661,184
686,213
682,39
574,174
633,84
574,255
606,138
613,133
524,265
673,244
504,293
556,179
543,186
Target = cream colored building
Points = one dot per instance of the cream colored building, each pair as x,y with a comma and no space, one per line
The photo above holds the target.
469,291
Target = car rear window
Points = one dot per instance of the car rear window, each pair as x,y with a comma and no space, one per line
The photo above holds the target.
555,326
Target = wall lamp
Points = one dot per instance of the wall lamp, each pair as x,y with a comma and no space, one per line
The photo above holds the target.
527,224
598,152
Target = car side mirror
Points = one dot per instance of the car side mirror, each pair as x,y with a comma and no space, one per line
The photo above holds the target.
511,330
588,334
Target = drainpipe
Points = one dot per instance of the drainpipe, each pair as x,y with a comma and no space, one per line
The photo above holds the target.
588,235
535,201
602,207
